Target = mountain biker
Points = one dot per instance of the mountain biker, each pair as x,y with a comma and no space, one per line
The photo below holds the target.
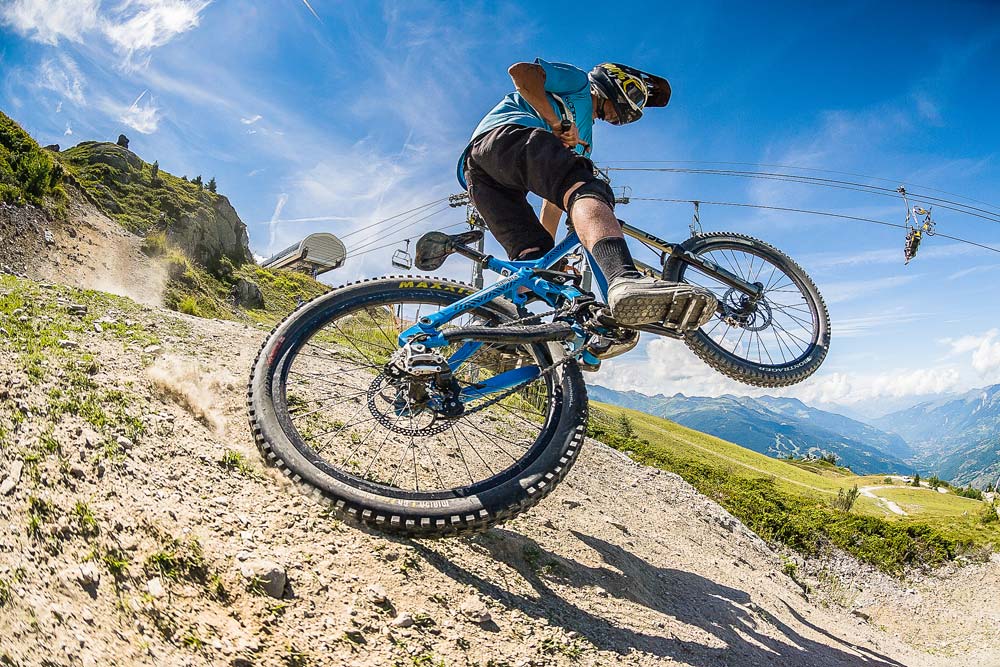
521,146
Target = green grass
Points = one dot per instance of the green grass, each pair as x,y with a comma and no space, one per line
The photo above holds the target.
792,504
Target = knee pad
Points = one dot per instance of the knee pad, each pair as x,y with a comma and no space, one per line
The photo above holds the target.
593,189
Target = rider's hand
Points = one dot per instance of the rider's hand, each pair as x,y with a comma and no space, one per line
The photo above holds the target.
570,137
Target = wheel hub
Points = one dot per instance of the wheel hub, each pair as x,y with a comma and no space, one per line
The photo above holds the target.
739,310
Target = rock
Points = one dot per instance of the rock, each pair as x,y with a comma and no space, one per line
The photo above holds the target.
152,349
377,594
571,503
98,328
87,616
474,609
247,294
49,239
155,587
124,442
12,479
269,576
402,620
78,309
85,574
68,344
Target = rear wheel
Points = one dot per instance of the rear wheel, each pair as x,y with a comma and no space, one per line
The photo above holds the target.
779,340
324,411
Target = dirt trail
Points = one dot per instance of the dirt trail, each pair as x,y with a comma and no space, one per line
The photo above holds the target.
178,547
621,565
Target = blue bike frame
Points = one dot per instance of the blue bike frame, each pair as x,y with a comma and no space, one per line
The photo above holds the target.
516,275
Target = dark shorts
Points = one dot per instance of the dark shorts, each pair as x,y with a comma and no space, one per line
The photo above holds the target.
503,165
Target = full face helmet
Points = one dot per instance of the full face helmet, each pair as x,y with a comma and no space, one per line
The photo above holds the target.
629,90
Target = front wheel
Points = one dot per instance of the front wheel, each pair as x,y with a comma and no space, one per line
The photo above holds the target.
324,410
779,340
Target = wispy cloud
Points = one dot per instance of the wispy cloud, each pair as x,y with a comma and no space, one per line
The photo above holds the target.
132,27
48,21
69,130
145,118
251,120
63,77
140,26
848,290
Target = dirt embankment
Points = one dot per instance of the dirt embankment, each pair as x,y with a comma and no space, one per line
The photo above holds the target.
85,249
154,535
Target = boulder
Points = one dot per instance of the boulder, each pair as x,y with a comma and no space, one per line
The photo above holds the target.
247,294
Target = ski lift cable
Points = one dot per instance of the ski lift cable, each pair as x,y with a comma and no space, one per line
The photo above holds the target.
395,228
830,183
393,217
829,214
816,169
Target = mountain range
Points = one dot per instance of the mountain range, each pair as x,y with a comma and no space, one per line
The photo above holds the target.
777,427
958,438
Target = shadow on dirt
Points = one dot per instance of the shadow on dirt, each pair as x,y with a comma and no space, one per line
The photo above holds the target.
727,614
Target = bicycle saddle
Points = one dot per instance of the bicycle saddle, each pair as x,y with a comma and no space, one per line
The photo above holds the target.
434,247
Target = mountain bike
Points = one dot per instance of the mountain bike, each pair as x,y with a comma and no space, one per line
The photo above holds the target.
424,407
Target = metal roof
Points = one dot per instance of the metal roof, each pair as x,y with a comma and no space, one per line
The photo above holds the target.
315,254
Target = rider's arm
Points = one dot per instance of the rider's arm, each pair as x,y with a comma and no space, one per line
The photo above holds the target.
550,217
529,80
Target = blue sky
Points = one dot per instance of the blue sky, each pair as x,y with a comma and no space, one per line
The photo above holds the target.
354,111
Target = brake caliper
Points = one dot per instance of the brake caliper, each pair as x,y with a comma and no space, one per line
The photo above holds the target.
415,366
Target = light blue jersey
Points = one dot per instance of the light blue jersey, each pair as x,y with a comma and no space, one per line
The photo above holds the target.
569,83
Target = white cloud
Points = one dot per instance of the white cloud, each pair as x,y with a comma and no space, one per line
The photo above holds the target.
985,349
133,27
140,26
63,78
251,120
48,21
145,118
59,107
69,130
670,368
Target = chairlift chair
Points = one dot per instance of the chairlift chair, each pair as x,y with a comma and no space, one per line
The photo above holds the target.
401,258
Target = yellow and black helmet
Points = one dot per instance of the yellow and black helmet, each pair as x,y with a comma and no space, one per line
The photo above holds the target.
630,90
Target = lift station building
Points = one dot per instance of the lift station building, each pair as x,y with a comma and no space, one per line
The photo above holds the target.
315,254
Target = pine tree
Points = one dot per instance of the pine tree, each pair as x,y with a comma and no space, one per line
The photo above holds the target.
156,172
197,181
916,479
211,184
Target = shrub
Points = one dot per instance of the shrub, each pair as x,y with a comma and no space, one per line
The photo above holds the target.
845,500
830,458
155,245
189,306
916,479
989,514
970,492
887,480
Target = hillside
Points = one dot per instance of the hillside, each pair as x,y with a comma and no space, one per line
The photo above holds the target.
776,427
144,530
956,438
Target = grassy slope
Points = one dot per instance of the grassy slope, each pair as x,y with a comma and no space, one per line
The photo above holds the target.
28,175
790,502
125,188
